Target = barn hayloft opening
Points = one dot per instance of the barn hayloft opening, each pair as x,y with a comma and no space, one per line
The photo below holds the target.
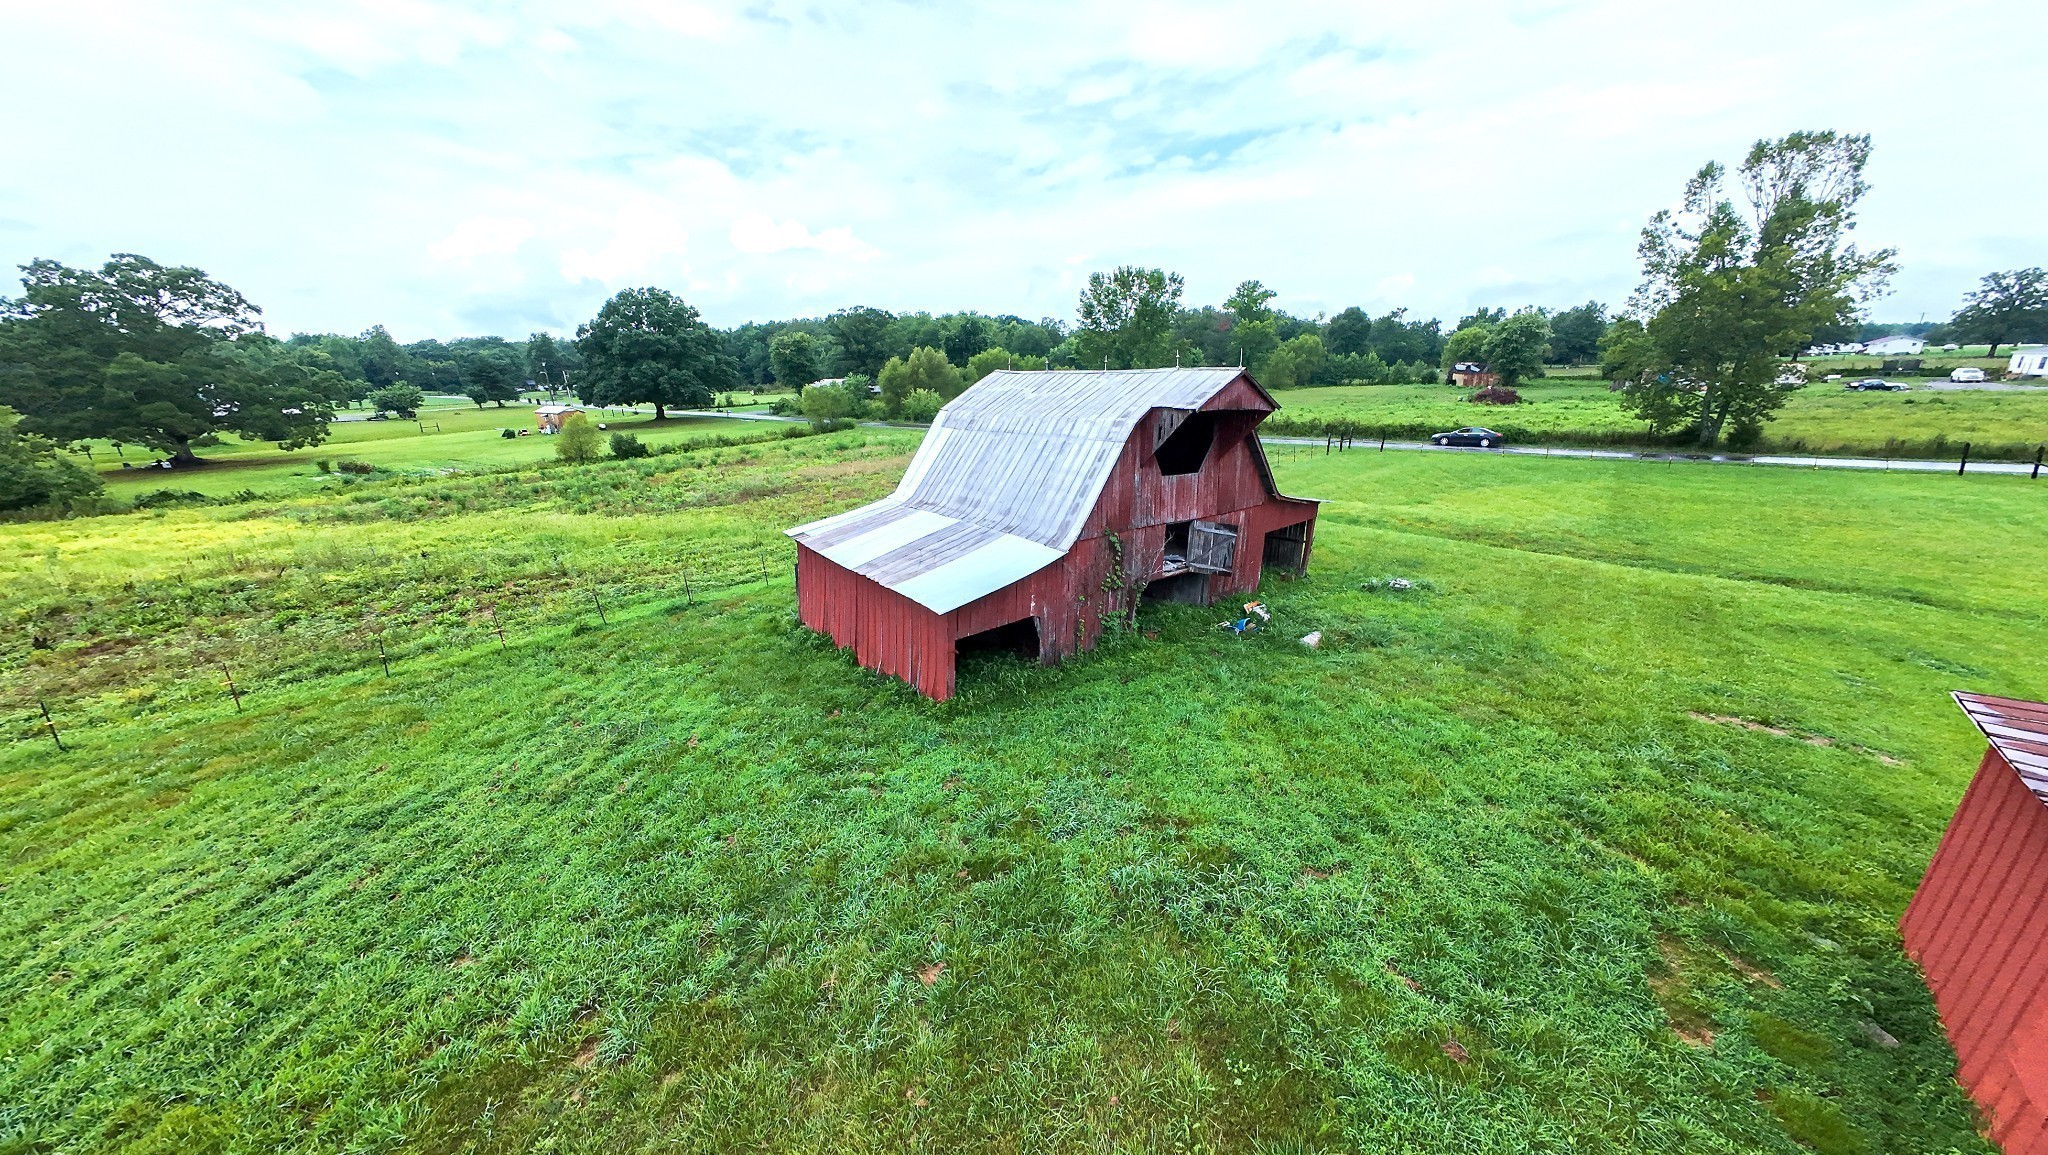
1188,446
1019,637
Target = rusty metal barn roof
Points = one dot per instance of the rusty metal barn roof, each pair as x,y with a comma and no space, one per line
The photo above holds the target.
2018,731
1005,480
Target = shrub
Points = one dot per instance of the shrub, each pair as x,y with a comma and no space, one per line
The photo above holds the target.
627,445
508,434
921,406
350,465
324,465
577,442
166,498
1496,395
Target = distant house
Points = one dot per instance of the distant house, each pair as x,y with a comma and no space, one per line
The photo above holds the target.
1895,347
1473,375
549,418
1043,505
2029,362
1979,929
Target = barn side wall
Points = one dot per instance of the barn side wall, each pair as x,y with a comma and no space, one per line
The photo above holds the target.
1978,927
886,631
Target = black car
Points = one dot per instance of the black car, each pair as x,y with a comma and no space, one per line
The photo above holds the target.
1870,384
1470,435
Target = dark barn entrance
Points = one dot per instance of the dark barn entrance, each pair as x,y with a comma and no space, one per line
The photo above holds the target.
1287,549
1019,637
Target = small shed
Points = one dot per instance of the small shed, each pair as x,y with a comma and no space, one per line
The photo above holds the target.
1473,375
1895,347
1042,504
549,418
1978,925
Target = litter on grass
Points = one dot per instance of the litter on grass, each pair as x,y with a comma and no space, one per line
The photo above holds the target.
1395,585
1256,615
1313,639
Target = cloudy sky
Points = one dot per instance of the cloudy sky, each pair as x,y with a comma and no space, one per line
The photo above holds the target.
457,168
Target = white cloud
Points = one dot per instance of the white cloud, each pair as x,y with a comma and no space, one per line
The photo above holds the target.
759,233
451,166
482,236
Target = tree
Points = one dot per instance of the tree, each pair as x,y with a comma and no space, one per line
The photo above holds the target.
1728,294
1348,333
966,335
402,399
1514,348
1467,344
33,474
1297,361
146,354
1127,318
491,375
863,336
2005,307
1250,302
793,356
925,368
645,346
1575,334
1482,316
546,361
824,404
380,359
578,440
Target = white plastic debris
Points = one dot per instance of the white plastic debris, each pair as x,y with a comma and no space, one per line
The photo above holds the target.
1313,639
1400,584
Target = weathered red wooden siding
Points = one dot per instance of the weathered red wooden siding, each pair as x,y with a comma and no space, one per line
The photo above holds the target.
885,630
1978,927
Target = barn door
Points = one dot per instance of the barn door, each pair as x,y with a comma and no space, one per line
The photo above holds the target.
1212,547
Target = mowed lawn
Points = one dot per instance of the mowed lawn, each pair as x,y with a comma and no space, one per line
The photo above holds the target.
1595,840
452,437
1822,418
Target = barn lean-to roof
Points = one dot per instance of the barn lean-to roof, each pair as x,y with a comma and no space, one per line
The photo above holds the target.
2018,731
1003,484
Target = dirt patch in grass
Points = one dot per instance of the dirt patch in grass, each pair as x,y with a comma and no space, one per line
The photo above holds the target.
1806,736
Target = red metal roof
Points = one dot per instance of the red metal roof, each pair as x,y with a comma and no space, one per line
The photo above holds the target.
2018,731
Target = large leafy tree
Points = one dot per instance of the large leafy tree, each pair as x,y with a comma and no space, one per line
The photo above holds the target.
1348,333
490,374
645,346
2005,307
795,356
1728,292
966,335
1127,318
925,369
142,353
547,359
1514,348
1575,333
863,337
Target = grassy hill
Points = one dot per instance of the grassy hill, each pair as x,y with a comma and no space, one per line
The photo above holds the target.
1594,840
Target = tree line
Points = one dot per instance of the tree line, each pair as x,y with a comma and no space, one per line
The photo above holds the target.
166,357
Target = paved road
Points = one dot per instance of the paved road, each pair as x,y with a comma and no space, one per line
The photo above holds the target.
1900,465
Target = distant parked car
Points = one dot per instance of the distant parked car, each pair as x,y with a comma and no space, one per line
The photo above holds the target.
1876,384
1968,373
1470,435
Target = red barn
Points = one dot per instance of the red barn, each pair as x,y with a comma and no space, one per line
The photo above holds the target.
1040,504
1978,925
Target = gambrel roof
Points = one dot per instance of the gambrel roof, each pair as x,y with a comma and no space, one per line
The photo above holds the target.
1003,484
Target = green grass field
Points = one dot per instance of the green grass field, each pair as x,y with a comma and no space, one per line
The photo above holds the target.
1594,841
1822,418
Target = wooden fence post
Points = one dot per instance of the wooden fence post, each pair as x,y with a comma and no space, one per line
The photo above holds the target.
382,656
47,721
2038,451
1965,462
232,691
